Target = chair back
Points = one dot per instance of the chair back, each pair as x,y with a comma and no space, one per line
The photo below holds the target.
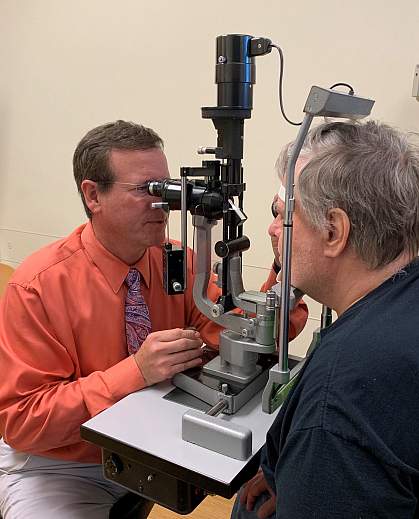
5,273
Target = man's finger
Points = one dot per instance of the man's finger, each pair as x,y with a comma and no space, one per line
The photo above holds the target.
185,356
267,509
247,488
178,368
181,345
244,492
175,334
258,487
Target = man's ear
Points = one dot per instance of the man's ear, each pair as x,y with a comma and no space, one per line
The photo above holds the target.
337,233
90,193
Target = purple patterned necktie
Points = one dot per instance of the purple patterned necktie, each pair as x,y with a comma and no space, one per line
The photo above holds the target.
137,318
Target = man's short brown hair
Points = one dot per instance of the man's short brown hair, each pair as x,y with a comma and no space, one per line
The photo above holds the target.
91,156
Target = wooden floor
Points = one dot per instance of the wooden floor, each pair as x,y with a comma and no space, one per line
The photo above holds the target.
212,507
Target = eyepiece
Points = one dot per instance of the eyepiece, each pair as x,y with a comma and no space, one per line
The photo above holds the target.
199,199
155,187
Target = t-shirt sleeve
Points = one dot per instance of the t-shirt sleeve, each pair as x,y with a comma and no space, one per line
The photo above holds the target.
321,475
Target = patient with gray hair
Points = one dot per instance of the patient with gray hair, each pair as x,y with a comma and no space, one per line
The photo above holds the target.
345,444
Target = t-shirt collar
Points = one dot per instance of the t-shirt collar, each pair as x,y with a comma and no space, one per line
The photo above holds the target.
113,269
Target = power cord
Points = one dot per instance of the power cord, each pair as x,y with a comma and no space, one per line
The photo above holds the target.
281,76
280,85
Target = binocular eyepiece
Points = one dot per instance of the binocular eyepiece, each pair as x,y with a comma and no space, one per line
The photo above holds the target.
200,199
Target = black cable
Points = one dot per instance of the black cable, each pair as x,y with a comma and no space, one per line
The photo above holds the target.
281,74
193,250
347,85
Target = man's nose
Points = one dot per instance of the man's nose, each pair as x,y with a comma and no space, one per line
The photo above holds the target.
275,228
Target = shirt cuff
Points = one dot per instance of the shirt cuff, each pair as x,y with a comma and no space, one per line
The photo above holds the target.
125,378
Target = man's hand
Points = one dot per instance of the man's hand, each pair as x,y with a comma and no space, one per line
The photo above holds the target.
165,353
252,490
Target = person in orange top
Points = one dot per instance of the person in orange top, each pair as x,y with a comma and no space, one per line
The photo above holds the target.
62,330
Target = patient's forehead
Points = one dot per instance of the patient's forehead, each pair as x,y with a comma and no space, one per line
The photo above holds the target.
281,193
302,161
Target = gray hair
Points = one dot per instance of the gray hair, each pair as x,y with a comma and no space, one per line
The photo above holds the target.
370,171
91,157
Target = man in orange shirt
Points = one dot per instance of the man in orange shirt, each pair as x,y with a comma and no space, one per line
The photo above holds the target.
63,330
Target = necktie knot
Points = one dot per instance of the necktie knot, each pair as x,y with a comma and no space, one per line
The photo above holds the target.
133,278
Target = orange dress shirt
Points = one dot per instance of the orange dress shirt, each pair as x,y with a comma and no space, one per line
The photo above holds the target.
63,348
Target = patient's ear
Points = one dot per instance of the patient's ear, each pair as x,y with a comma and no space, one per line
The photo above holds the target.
338,227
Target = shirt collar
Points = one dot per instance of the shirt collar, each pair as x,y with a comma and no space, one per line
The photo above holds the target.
113,269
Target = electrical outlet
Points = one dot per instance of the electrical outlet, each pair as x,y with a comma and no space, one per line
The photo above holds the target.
415,89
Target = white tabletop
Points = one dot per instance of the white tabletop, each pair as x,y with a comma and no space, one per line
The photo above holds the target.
146,421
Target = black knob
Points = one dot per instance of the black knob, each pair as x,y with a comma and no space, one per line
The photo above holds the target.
225,248
113,466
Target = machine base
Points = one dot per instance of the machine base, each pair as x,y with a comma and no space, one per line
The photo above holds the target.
211,389
152,484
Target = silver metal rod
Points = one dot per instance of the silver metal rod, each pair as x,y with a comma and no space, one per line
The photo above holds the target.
168,228
184,227
217,409
286,248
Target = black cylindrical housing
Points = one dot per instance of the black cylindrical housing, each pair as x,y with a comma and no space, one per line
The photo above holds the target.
223,249
235,71
200,201
168,190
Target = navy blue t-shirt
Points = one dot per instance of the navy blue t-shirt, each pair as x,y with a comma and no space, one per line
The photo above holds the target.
346,442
